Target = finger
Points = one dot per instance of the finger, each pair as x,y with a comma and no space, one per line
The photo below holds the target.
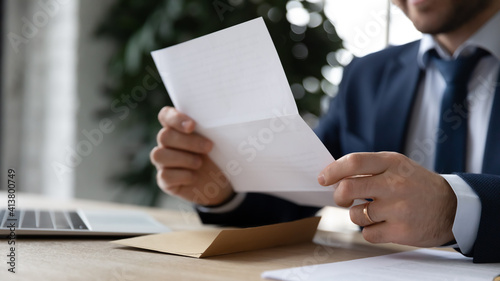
378,233
171,158
355,164
382,232
358,216
170,180
171,138
350,189
171,117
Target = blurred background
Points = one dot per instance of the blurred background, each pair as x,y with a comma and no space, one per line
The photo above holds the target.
80,93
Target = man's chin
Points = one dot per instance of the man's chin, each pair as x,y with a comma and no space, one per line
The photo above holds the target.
435,28
427,29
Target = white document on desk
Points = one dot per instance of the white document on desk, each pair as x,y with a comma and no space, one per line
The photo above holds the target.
232,84
418,265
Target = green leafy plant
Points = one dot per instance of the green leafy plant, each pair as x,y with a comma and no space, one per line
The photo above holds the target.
139,27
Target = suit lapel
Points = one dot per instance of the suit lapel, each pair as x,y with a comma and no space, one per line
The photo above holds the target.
398,88
491,158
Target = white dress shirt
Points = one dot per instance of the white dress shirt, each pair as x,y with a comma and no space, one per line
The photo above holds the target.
421,139
422,133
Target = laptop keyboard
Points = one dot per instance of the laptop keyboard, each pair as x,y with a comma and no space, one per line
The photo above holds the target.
40,219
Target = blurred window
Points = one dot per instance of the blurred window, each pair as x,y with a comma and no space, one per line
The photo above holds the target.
362,24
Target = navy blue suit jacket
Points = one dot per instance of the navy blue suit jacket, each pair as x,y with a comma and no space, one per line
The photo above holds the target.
371,113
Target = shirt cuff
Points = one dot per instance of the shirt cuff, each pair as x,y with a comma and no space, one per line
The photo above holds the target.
227,207
468,213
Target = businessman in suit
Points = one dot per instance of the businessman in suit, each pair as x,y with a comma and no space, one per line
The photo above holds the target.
415,128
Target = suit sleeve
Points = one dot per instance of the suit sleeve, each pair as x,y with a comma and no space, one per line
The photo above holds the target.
259,209
487,245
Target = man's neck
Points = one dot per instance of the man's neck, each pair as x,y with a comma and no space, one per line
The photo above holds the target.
452,40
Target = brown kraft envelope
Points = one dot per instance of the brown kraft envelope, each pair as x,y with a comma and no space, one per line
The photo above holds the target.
213,242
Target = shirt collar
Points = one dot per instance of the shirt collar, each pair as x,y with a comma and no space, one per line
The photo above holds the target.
483,38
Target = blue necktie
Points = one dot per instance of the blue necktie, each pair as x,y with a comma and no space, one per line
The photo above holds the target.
452,137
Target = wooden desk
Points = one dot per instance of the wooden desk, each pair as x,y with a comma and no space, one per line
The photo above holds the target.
96,259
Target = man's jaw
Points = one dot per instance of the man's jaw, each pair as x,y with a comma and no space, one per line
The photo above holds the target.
415,2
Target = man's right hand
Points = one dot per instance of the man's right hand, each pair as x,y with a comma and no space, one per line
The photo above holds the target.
181,159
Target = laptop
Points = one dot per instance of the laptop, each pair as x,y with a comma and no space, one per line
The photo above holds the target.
78,223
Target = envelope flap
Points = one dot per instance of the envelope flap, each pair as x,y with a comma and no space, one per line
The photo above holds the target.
185,243
212,242
247,239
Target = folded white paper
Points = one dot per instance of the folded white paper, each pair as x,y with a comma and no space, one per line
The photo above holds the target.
232,84
418,265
